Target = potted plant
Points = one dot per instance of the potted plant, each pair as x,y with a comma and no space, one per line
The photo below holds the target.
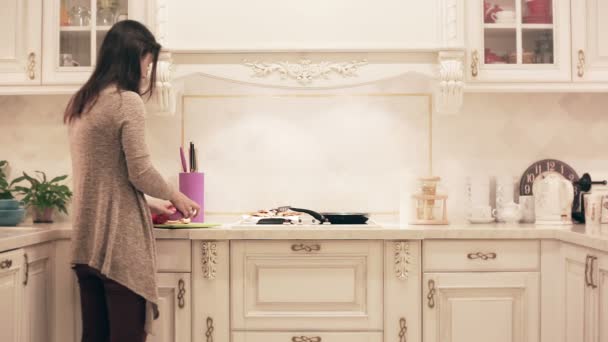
5,187
44,196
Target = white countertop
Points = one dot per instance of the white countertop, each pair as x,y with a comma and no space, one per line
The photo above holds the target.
597,237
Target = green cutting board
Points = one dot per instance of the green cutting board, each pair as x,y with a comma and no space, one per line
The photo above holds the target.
187,225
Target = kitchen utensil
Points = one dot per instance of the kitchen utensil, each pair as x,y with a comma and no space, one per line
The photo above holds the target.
194,161
67,60
183,158
482,212
333,218
79,16
192,184
511,212
11,217
503,17
505,187
187,225
429,207
274,220
191,152
553,197
582,186
106,16
593,208
489,10
526,204
604,210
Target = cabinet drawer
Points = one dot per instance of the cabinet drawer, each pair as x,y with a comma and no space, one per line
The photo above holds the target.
307,336
173,255
481,255
325,285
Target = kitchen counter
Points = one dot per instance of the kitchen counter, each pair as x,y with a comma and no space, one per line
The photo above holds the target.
597,238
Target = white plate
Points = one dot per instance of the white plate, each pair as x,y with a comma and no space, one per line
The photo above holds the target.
481,220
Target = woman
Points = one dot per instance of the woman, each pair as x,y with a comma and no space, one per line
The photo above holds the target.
113,246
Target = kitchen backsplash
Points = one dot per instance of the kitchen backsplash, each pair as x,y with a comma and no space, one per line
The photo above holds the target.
329,151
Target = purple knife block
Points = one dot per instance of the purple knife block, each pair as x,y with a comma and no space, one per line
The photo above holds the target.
192,184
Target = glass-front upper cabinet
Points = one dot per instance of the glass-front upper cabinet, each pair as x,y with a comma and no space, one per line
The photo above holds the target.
74,31
519,40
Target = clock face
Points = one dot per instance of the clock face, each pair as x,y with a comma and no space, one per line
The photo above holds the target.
547,165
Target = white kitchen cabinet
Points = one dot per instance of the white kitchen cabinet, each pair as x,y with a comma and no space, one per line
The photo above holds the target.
526,41
38,291
585,282
20,34
481,307
73,32
210,291
175,306
308,336
589,40
299,284
11,295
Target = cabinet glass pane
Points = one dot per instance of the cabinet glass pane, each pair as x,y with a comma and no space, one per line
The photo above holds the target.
75,48
537,11
500,46
111,11
499,11
537,46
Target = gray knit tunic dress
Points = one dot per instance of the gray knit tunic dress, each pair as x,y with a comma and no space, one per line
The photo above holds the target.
112,171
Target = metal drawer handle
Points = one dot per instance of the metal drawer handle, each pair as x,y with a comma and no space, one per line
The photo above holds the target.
402,330
27,269
581,63
307,248
431,296
591,282
209,331
474,63
6,263
181,287
306,339
31,66
587,271
482,256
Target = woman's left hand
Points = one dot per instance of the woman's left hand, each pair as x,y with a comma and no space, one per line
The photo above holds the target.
159,207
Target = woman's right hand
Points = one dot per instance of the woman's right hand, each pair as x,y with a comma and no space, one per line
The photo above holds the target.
186,206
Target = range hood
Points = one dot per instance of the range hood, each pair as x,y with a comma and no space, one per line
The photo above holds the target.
315,45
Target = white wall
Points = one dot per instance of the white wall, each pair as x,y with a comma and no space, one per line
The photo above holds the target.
334,152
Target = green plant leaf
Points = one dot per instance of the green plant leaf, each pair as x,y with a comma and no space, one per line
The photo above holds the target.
58,179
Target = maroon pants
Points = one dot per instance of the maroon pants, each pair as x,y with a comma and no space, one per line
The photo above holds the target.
110,311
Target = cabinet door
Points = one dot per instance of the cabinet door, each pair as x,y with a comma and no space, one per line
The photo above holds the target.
38,290
11,295
579,299
518,40
175,307
589,40
73,33
481,307
20,32
299,285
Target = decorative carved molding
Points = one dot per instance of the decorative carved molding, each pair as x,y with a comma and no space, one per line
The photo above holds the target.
164,88
161,21
450,90
209,259
452,22
305,72
402,259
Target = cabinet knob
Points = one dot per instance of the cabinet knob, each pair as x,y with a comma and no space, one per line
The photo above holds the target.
581,63
307,248
31,66
6,263
474,63
482,256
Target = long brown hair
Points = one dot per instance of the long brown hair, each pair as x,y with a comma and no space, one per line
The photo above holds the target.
118,62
